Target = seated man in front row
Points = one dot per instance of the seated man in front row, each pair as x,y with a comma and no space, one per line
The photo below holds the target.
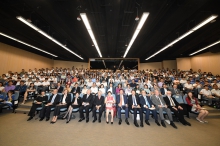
52,102
134,104
160,107
86,104
98,105
175,107
122,102
146,106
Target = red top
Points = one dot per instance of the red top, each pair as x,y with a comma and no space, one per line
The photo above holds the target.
189,101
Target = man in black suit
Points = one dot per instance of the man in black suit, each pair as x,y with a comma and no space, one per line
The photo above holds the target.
75,89
175,107
53,101
86,104
98,104
134,104
59,88
146,103
164,89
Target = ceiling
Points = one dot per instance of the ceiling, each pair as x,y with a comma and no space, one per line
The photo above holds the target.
113,23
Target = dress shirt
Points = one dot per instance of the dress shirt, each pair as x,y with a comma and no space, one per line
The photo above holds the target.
171,101
94,89
52,100
147,103
64,98
134,101
122,98
217,92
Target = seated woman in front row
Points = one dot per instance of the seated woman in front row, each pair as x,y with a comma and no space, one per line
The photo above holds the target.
38,102
193,102
109,104
76,103
64,103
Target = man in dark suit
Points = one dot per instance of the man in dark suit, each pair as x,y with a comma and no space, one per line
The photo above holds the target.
98,104
161,106
59,88
75,89
86,104
53,101
122,103
164,89
175,107
146,103
134,104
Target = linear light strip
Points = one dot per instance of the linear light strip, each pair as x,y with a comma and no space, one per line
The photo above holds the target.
89,29
26,44
186,34
140,25
120,63
46,35
215,43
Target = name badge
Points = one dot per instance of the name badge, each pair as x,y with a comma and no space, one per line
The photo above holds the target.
177,96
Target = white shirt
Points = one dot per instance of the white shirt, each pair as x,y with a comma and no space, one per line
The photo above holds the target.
1,88
171,101
189,86
46,83
217,92
64,99
84,91
218,84
103,90
94,89
89,84
122,102
206,92
37,83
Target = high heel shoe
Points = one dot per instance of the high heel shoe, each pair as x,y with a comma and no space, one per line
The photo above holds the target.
111,122
107,122
67,122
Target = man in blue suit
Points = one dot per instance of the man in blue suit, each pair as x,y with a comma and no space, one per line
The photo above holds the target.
146,103
122,103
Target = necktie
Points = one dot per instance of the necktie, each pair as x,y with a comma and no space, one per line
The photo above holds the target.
52,101
147,102
134,101
171,101
159,100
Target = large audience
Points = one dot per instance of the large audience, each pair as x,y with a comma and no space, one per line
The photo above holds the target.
161,92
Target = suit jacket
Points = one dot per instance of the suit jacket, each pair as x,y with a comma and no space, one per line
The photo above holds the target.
77,89
130,101
118,99
56,100
143,102
113,90
60,90
162,91
166,99
98,101
89,99
156,102
174,93
68,99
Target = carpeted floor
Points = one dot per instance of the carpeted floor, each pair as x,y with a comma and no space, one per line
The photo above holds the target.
16,131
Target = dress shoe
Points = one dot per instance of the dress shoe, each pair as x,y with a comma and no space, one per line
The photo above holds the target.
119,121
147,122
41,119
136,124
87,120
30,118
187,123
111,122
94,120
107,122
158,124
47,119
99,120
81,119
63,118
163,124
173,125
126,121
142,125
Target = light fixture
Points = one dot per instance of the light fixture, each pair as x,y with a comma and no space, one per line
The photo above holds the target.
185,34
137,18
215,43
78,18
120,63
46,35
140,25
89,29
17,40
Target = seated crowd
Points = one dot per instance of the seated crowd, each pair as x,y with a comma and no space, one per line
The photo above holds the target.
148,92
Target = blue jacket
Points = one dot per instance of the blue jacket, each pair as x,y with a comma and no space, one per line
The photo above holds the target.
21,88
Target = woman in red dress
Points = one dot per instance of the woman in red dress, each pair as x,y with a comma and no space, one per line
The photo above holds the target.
109,104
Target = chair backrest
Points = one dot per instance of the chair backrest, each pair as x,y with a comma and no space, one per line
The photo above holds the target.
16,95
184,98
178,98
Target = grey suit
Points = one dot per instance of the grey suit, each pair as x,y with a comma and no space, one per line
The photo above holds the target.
175,91
156,102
